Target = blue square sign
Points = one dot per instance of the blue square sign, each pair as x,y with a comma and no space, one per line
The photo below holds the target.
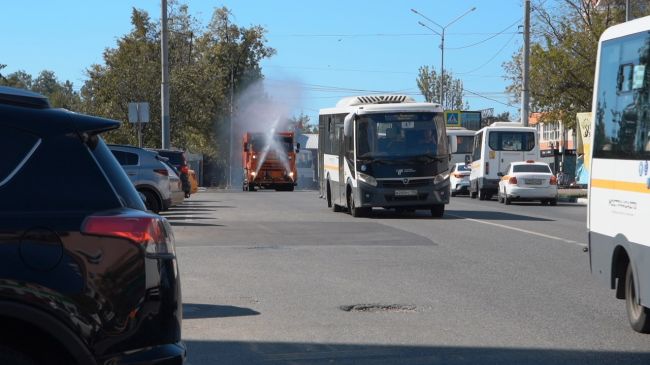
452,119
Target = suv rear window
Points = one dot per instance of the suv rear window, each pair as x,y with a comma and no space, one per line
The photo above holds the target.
114,172
176,158
16,146
125,158
531,168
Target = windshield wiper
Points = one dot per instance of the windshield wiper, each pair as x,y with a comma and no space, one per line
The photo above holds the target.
430,158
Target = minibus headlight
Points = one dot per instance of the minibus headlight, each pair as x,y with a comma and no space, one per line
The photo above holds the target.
367,179
441,177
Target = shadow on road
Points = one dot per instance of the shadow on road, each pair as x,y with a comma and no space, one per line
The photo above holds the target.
186,217
198,311
493,216
193,224
216,352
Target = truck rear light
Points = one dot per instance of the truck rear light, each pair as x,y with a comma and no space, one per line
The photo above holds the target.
553,180
161,172
487,168
512,181
151,232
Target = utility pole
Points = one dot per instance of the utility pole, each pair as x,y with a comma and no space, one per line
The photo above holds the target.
442,45
627,10
442,68
164,92
525,92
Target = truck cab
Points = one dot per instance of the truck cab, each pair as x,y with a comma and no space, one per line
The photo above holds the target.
269,161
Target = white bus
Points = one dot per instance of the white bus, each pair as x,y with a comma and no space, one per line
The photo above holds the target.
495,147
465,142
384,151
619,186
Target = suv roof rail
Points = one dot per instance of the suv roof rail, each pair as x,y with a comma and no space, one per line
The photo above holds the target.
24,98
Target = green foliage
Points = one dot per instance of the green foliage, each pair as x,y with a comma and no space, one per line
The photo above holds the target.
204,63
563,56
300,123
429,84
61,94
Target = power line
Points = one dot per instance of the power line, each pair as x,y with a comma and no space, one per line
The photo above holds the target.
491,58
488,98
341,69
352,35
487,39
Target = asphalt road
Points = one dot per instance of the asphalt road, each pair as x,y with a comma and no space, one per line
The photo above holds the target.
278,278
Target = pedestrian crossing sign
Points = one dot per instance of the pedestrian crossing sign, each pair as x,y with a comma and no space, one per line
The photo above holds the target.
452,118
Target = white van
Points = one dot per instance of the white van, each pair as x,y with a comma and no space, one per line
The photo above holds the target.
495,147
465,141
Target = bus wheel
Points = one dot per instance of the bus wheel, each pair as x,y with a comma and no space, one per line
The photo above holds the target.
638,315
438,210
329,195
481,194
354,210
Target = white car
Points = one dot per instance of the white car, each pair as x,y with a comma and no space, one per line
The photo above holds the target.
459,179
528,180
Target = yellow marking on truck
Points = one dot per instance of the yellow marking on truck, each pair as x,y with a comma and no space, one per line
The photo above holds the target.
620,185
331,167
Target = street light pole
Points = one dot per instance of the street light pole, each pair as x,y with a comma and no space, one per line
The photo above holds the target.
164,92
443,29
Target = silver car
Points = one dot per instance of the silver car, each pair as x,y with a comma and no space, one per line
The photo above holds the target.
148,173
178,195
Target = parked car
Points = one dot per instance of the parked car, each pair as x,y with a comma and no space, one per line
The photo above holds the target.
528,180
148,173
87,276
178,196
459,179
179,160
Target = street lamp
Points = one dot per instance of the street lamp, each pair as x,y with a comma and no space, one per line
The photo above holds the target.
442,43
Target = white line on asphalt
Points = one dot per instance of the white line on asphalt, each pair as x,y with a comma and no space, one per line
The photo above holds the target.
520,230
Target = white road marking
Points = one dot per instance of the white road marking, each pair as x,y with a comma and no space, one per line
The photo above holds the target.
520,230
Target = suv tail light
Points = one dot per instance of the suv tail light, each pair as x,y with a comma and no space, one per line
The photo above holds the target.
161,172
553,180
151,232
512,181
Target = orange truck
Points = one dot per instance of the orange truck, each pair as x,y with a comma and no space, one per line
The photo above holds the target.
270,161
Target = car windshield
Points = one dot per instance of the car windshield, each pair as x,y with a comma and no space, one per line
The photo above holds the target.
531,168
400,135
260,141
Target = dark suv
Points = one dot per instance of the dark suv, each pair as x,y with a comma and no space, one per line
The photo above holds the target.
87,276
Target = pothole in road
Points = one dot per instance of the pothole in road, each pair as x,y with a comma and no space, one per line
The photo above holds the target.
373,308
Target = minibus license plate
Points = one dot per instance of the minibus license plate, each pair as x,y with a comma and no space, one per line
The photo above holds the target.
406,192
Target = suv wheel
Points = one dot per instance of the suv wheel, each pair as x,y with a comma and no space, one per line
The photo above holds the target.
152,201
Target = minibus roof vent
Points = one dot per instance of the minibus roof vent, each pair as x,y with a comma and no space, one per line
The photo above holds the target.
374,99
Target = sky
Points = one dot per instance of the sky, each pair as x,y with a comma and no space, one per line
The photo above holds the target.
329,49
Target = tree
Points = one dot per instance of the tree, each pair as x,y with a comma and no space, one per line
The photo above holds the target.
60,94
300,124
563,56
428,82
206,64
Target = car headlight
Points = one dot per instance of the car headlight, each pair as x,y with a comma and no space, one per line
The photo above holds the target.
441,177
367,179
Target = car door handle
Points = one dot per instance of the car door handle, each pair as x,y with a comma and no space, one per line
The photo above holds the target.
131,173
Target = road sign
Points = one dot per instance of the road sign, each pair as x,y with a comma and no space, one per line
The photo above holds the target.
138,112
138,115
452,118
